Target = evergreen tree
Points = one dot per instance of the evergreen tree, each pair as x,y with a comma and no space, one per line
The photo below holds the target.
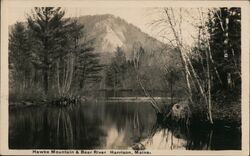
19,50
51,30
115,72
225,40
56,54
88,67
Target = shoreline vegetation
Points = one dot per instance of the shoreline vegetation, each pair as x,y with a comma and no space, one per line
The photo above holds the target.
228,117
188,86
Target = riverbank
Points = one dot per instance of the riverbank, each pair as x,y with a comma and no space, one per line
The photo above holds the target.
229,115
88,126
226,115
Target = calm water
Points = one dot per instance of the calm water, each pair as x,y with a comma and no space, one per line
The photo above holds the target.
108,125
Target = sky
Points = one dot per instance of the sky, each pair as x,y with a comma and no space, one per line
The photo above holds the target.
142,17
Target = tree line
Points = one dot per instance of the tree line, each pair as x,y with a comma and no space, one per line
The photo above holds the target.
212,66
50,55
47,55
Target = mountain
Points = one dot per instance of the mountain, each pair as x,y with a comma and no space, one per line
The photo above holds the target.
110,31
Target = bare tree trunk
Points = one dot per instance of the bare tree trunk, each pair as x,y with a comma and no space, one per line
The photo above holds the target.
197,79
153,102
63,77
70,71
171,90
224,28
188,65
180,49
46,81
209,89
186,62
211,58
67,72
207,98
58,78
136,67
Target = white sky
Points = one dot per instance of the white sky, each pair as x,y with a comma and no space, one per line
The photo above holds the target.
141,17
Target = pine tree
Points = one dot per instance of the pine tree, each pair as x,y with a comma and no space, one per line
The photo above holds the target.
88,68
115,72
51,30
19,50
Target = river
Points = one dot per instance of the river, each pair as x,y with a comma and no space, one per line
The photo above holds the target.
108,125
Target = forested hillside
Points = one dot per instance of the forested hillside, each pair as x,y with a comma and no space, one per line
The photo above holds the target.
69,55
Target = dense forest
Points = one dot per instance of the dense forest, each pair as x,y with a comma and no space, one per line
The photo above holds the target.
51,57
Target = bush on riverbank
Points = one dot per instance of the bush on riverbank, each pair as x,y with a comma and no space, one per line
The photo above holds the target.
33,93
228,114
224,113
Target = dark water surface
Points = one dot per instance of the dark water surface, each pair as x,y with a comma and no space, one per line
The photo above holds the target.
108,125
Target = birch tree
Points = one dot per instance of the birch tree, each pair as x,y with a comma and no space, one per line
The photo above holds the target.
174,19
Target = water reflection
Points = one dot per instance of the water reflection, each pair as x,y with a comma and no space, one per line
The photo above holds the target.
103,125
172,138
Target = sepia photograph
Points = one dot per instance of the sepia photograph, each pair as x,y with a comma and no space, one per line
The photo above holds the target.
124,80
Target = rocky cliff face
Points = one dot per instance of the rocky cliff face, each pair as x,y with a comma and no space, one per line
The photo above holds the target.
110,31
